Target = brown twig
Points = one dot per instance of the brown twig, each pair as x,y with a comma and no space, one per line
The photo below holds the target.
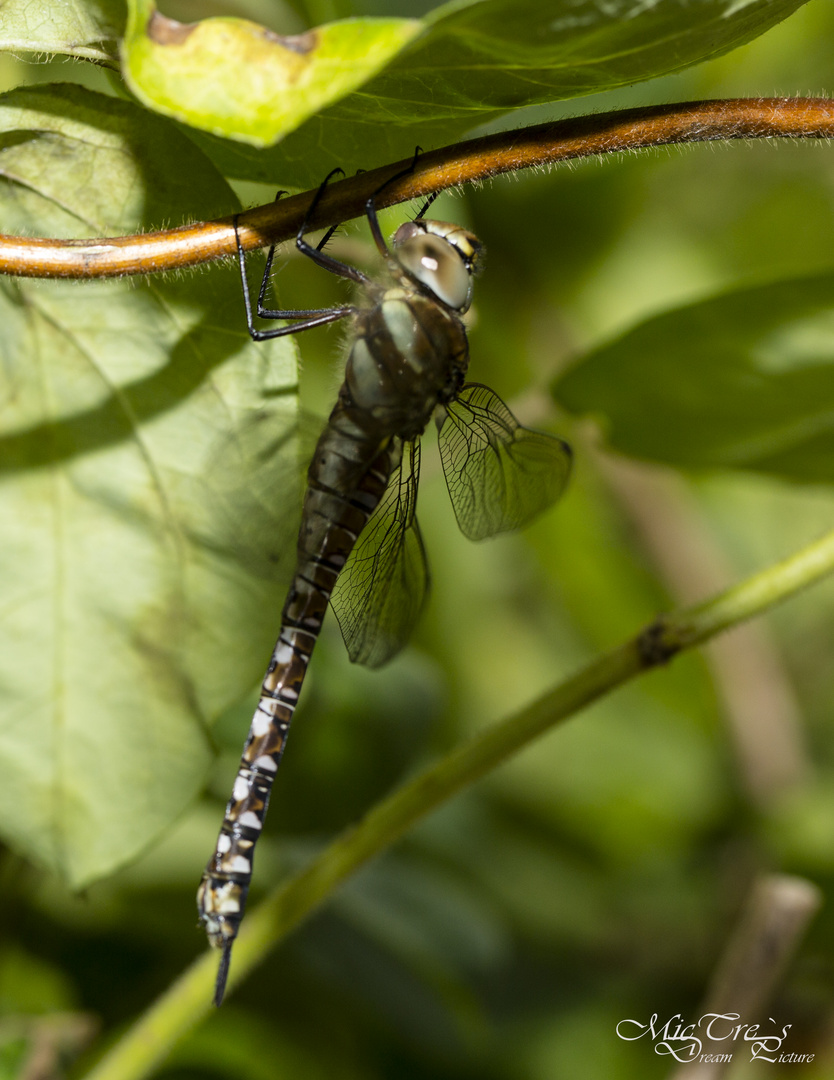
768,933
461,163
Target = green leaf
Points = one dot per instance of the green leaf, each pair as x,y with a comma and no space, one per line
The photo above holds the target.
88,30
132,472
476,61
501,54
234,78
80,164
742,381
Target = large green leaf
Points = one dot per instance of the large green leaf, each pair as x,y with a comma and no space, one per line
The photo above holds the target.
742,381
131,475
233,77
477,60
88,30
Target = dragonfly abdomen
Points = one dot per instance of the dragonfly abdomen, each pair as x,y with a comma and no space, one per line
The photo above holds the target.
330,526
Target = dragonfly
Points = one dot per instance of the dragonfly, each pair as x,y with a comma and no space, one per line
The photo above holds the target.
359,544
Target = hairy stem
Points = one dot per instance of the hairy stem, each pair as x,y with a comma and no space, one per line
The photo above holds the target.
187,1001
461,163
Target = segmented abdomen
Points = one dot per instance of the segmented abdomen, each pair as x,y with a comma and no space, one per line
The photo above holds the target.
345,459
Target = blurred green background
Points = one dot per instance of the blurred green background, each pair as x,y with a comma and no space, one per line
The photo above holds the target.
597,876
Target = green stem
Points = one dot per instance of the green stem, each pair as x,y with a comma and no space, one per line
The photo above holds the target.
187,1001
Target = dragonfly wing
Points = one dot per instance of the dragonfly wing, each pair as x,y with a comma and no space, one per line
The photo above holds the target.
499,474
381,590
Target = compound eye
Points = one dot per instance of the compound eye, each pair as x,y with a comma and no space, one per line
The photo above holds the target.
435,264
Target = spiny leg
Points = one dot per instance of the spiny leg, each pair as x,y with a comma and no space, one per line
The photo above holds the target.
310,317
370,205
426,205
327,262
304,247
270,255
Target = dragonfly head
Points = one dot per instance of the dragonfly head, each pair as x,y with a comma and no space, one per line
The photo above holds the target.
441,256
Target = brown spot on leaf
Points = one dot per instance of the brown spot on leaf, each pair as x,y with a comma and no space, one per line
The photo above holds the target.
297,43
165,31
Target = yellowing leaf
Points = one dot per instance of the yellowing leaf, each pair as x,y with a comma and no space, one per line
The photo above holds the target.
237,79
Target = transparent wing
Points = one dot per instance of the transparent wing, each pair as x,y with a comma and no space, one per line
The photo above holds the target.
381,590
499,474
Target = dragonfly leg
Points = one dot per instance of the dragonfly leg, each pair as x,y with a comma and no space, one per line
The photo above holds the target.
304,247
270,255
327,262
370,205
309,318
426,205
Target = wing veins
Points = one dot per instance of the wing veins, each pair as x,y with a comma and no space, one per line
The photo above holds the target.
500,475
380,591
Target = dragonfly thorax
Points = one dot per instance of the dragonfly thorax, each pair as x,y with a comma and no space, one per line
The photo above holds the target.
439,256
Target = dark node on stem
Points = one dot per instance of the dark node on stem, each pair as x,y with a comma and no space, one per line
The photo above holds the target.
222,975
653,648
